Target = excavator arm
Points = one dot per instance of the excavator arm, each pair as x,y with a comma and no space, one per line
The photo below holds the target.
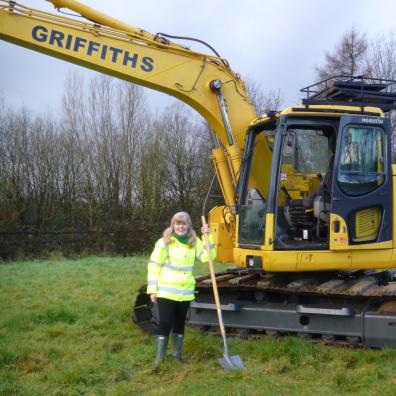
117,49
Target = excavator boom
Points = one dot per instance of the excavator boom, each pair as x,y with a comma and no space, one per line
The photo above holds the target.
123,51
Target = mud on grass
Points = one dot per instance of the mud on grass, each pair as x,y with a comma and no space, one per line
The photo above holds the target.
65,329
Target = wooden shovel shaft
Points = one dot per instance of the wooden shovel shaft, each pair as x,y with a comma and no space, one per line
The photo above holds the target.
215,290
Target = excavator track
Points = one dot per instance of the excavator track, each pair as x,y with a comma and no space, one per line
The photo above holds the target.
349,307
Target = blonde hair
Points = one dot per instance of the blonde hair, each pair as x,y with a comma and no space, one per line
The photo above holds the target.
180,217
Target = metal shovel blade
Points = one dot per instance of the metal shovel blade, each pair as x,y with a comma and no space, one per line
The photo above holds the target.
231,362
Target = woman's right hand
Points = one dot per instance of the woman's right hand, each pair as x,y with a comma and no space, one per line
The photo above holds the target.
153,298
205,229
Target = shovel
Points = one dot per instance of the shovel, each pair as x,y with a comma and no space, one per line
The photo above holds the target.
227,362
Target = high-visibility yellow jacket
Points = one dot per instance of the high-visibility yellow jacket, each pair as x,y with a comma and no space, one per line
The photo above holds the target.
170,269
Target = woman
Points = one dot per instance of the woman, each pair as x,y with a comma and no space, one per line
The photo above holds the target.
170,280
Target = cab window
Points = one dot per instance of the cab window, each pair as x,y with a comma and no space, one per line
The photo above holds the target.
361,167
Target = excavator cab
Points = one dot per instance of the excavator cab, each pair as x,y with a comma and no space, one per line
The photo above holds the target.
304,151
330,186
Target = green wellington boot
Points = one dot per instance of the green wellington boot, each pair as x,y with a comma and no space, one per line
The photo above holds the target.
162,344
177,346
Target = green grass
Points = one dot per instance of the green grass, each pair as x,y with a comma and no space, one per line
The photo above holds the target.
65,329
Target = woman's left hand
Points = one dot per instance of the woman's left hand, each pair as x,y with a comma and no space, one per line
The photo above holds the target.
205,229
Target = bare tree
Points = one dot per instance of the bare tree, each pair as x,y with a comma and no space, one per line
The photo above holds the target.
13,200
107,121
174,164
76,182
29,168
133,119
263,102
347,58
381,57
181,150
151,186
381,62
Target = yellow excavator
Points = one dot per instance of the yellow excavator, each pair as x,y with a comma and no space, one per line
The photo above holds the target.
308,218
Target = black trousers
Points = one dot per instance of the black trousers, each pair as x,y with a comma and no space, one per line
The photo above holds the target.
172,316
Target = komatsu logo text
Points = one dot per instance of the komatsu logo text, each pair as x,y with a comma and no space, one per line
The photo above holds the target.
373,120
79,44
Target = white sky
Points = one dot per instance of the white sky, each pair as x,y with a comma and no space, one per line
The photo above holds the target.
277,43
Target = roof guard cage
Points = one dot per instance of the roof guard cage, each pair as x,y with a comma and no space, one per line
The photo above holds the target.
353,91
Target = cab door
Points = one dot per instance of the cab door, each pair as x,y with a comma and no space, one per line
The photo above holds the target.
361,211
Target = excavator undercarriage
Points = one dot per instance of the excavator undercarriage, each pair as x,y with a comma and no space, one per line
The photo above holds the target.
350,307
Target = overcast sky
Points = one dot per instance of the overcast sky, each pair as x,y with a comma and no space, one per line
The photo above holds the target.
277,43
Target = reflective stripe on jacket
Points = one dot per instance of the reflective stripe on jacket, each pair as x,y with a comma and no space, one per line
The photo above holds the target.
170,268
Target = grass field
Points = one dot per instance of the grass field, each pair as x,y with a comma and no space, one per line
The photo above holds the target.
65,329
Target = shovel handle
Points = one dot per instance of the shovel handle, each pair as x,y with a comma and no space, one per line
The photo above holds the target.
215,290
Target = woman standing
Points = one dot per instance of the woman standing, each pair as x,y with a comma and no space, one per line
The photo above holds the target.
170,280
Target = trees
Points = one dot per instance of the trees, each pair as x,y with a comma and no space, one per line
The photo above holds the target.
381,57
108,164
263,102
105,125
174,164
347,58
354,56
29,167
